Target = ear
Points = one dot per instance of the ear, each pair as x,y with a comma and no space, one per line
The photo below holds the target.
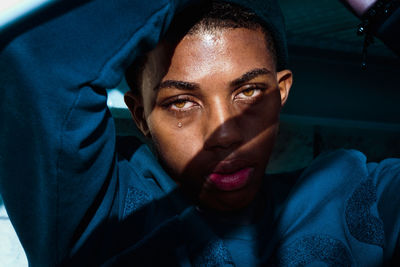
285,80
135,105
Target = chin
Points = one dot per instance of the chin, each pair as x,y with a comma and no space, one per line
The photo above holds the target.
228,202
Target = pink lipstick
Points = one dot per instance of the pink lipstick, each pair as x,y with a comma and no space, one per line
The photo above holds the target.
231,181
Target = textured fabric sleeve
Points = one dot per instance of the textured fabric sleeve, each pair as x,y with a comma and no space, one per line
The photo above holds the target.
386,176
58,172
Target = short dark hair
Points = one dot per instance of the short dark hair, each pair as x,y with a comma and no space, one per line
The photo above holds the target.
210,17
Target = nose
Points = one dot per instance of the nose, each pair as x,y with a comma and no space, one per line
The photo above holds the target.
222,128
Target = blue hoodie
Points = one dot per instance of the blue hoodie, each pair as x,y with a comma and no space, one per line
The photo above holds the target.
76,198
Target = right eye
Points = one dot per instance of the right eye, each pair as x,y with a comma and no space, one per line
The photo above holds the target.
181,104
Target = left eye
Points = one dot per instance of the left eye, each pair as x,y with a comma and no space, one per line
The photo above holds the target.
248,93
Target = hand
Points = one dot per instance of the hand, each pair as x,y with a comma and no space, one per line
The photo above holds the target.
359,6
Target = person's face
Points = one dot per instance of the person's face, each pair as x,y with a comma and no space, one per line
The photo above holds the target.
212,111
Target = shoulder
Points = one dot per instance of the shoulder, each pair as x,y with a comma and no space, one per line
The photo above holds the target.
332,171
340,170
340,200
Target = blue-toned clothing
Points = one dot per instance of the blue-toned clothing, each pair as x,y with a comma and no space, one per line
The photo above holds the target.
77,197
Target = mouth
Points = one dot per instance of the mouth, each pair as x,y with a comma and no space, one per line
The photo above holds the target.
230,180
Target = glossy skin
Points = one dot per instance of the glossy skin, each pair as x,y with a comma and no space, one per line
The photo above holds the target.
216,111
359,6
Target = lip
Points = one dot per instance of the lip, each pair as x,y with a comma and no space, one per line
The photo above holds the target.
230,166
230,176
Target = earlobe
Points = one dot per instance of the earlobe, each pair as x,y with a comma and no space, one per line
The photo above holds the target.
135,105
285,80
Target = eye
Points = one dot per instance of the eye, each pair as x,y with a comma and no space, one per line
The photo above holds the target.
249,93
181,105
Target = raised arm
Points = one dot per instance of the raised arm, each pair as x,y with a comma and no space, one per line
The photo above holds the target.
359,7
57,162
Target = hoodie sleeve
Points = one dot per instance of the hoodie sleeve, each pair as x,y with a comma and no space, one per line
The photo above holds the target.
57,139
386,177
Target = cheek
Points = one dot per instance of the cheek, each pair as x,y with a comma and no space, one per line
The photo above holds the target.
261,126
263,144
176,146
263,118
260,143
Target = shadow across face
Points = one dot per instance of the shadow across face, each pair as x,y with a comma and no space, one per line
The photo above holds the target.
211,106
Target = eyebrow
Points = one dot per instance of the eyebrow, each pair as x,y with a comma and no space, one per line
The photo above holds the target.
178,85
248,76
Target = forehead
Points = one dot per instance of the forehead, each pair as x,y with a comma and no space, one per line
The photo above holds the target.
220,54
224,51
